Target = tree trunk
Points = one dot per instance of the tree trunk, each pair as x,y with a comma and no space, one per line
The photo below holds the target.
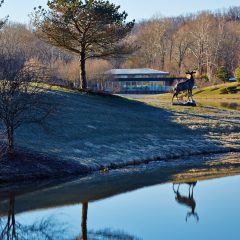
10,140
84,220
162,62
83,79
10,230
179,67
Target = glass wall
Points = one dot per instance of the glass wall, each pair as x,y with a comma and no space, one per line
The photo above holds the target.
141,86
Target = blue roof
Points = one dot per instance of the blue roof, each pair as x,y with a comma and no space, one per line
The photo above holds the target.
135,71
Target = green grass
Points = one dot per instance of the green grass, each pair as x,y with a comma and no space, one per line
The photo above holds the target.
223,91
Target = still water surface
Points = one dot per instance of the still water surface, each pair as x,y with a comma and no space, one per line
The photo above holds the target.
202,210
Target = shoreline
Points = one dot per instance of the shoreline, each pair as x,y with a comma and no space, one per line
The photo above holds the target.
101,185
45,169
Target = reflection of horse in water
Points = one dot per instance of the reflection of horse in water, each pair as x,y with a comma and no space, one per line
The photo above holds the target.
187,200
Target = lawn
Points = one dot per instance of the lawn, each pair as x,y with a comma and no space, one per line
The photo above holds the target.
99,131
222,91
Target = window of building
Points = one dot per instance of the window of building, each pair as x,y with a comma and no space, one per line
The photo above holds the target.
122,76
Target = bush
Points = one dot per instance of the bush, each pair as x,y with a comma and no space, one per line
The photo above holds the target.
228,90
223,91
205,77
237,74
232,89
222,74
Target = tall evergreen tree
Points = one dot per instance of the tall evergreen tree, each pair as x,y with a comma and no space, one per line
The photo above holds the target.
90,29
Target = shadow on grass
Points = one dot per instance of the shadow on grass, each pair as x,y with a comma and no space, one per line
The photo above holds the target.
98,131
101,132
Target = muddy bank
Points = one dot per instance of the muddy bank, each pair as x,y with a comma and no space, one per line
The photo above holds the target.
31,170
23,166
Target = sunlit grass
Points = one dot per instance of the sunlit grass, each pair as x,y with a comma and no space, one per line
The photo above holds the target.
223,91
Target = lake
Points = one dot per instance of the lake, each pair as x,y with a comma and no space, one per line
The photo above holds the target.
132,203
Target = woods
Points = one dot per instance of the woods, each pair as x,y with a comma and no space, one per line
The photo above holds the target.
204,41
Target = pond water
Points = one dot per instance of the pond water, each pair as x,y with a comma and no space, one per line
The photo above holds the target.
199,209
227,104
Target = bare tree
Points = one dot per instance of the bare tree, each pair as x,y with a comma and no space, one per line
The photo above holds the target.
2,21
22,99
154,41
203,41
182,44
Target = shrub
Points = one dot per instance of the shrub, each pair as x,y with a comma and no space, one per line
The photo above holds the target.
222,74
232,89
223,91
205,77
237,74
227,90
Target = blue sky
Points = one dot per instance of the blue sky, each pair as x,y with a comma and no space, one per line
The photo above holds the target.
18,10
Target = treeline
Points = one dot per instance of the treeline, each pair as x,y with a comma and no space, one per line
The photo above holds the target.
18,42
208,42
205,41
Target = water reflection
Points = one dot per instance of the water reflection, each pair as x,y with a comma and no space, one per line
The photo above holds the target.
84,220
50,229
188,201
140,200
101,234
10,229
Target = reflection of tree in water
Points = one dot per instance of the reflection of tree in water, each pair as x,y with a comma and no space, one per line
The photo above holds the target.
187,200
10,229
49,229
101,234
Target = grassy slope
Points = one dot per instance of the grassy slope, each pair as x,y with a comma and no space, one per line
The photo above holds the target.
98,131
213,92
216,91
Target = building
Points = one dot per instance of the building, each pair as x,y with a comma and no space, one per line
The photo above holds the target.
141,80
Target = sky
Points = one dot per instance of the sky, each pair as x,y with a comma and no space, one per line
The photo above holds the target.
18,10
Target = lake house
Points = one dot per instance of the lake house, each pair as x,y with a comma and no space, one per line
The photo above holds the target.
141,80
